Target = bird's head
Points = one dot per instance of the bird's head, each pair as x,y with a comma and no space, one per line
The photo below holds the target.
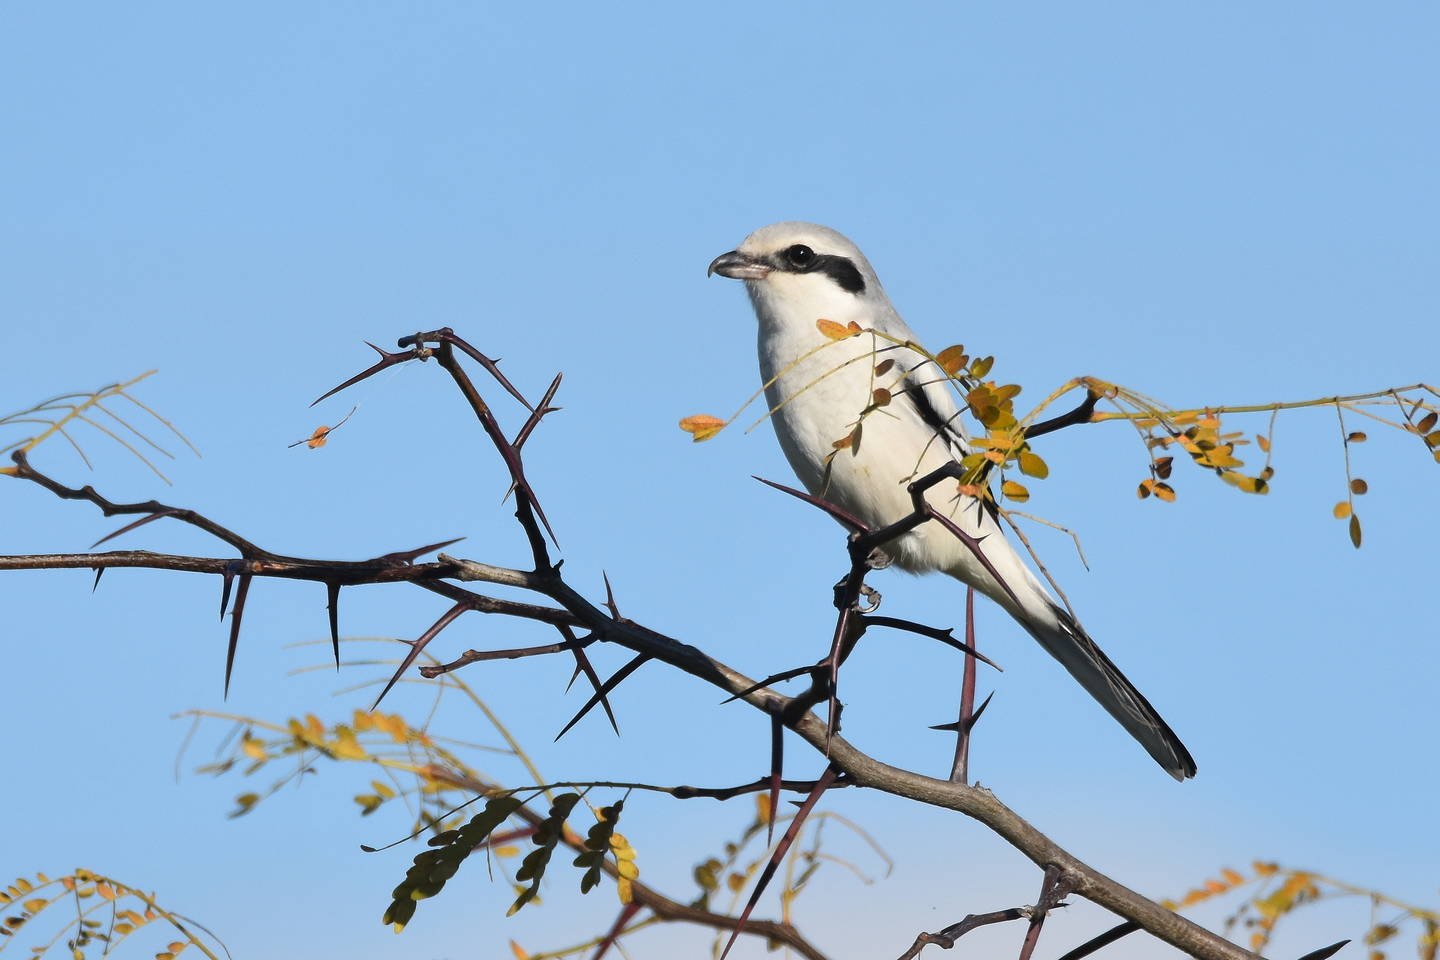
804,270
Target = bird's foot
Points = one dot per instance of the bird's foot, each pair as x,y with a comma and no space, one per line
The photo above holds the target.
871,599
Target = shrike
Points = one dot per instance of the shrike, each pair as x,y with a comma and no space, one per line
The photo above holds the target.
800,273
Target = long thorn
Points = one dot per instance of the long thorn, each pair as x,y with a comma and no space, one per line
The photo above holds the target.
241,591
332,607
777,769
131,526
418,645
599,695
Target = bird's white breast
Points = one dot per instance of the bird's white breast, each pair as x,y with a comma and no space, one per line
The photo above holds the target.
817,390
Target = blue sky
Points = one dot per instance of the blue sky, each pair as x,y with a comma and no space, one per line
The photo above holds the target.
1228,203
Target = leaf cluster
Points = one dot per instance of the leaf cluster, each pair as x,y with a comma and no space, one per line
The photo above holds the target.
1269,894
91,910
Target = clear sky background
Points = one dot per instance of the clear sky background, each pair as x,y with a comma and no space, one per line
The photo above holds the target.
1227,203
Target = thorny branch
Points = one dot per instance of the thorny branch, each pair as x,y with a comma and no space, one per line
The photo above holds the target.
657,903
568,608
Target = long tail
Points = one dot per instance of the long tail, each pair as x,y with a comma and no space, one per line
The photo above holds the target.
1067,641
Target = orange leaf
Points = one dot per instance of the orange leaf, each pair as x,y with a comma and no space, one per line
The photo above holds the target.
519,951
702,426
1165,492
1232,877
1342,510
951,359
318,438
852,439
1357,437
1263,441
835,331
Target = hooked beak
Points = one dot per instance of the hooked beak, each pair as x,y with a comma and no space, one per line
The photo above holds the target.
738,266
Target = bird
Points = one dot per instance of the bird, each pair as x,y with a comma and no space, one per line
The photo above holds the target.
818,388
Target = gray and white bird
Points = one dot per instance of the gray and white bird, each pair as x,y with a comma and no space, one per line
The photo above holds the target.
801,273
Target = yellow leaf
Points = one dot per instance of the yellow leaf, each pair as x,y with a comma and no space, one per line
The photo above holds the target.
1014,491
106,891
1428,423
702,426
1247,484
1341,510
835,331
519,951
624,890
36,905
627,869
981,366
952,359
621,847
1145,487
345,746
1032,466
506,850
1165,492
252,748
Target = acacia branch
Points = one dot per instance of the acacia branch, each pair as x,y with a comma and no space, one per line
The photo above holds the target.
573,609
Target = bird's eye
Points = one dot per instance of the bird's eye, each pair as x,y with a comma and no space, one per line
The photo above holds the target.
799,255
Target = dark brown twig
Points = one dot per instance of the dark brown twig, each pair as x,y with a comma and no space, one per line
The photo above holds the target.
781,848
960,766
